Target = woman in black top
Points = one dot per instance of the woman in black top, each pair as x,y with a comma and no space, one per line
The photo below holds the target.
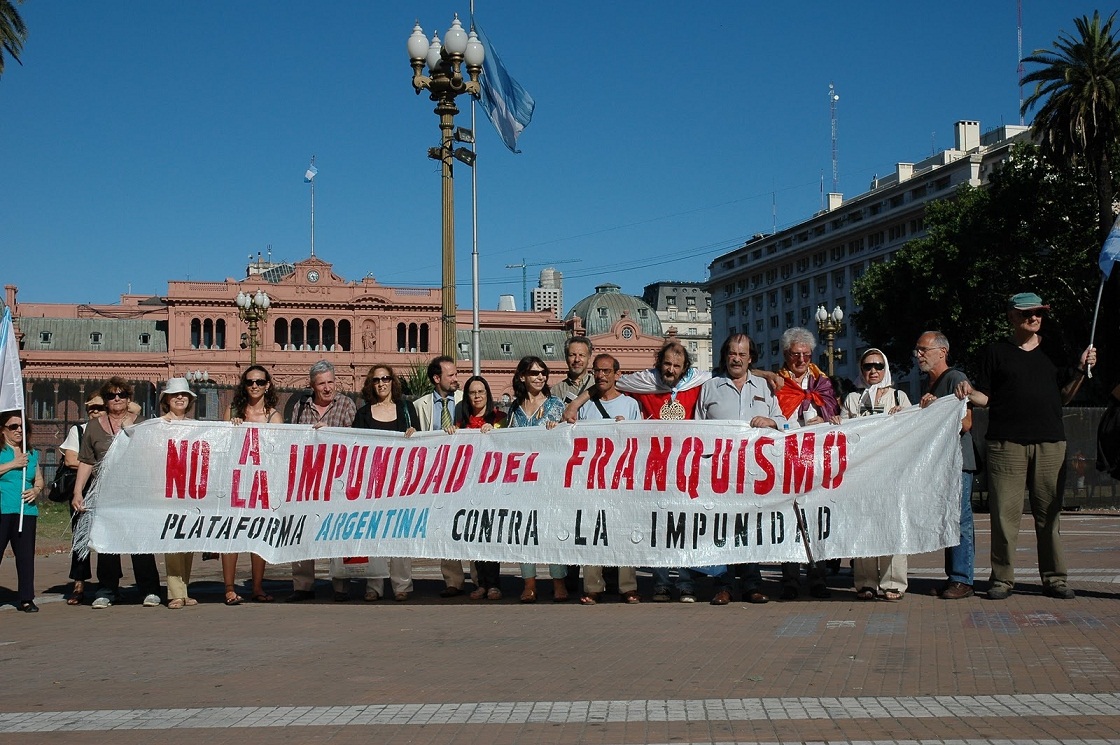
386,409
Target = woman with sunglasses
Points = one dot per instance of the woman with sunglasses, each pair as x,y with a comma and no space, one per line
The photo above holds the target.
175,403
385,409
535,406
116,392
886,573
254,402
21,481
477,411
80,568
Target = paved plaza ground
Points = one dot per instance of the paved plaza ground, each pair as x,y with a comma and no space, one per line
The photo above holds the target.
1028,669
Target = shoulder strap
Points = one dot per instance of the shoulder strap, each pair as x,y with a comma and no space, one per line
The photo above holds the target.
602,410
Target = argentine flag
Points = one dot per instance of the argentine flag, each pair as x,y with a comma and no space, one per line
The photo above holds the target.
11,378
1110,252
507,104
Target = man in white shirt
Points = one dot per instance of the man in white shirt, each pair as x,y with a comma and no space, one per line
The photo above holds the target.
607,402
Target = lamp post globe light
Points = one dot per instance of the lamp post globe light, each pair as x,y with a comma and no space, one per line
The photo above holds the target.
444,82
830,324
252,309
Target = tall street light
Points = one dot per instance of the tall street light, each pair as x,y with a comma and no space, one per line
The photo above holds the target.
252,309
445,82
830,325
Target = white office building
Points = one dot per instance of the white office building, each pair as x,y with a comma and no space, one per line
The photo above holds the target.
777,281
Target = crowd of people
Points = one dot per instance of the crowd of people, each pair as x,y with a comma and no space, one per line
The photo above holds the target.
1017,379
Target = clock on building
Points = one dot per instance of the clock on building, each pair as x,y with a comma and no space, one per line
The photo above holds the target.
313,276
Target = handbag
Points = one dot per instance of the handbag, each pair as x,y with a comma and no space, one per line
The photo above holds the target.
61,488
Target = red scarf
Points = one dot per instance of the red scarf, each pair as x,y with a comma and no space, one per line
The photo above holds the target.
795,400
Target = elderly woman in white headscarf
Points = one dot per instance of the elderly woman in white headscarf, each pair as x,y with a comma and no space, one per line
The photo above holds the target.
886,573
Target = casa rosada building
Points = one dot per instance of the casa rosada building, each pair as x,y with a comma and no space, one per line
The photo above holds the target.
68,350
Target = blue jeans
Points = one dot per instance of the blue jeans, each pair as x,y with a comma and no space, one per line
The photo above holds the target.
661,581
960,558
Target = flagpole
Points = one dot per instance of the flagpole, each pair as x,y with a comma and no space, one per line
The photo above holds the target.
312,209
1093,330
23,475
476,334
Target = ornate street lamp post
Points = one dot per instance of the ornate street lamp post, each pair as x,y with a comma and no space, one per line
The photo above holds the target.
830,324
252,309
445,82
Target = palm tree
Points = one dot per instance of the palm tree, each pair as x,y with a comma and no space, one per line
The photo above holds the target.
12,32
1078,122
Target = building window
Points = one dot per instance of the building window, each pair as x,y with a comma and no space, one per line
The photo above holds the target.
196,333
627,332
145,339
671,300
692,346
690,302
95,337
602,312
507,349
44,337
643,313
464,349
692,331
280,332
550,349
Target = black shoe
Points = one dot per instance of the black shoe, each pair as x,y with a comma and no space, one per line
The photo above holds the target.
29,607
1059,590
789,592
451,592
341,597
820,592
298,596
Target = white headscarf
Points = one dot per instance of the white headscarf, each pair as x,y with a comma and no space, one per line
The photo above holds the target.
870,393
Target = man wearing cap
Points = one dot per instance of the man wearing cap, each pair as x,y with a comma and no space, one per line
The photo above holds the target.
1024,390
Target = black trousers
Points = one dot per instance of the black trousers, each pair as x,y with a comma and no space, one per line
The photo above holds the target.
143,568
23,546
489,574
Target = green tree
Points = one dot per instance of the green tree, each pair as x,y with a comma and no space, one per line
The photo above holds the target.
1031,229
1078,122
13,32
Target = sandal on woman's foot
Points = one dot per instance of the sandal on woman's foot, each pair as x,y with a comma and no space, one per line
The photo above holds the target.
529,596
232,598
372,596
493,594
262,597
176,603
865,593
479,593
632,597
591,598
78,595
892,595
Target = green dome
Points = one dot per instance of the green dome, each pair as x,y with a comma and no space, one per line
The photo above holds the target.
608,306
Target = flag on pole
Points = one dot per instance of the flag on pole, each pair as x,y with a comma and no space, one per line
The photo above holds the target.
311,171
11,378
1110,252
508,105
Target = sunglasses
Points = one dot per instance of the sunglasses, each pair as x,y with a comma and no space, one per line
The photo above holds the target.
1025,314
536,374
95,409
255,383
383,379
867,366
118,394
13,427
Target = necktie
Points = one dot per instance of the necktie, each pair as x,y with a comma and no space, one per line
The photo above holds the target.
445,420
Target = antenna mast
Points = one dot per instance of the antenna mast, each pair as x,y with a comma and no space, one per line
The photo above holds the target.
833,97
1020,68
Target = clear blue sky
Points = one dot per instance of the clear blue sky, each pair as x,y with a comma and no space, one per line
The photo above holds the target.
148,141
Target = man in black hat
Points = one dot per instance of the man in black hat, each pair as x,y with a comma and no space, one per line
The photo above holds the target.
1024,391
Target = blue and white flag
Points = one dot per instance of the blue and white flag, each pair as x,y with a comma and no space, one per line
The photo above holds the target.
507,104
1110,252
311,171
11,378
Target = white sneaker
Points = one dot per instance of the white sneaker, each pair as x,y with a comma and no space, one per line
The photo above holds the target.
102,602
151,601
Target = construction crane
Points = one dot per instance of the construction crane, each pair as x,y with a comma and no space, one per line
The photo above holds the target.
525,276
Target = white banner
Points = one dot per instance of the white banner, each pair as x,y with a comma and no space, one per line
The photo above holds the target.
614,493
